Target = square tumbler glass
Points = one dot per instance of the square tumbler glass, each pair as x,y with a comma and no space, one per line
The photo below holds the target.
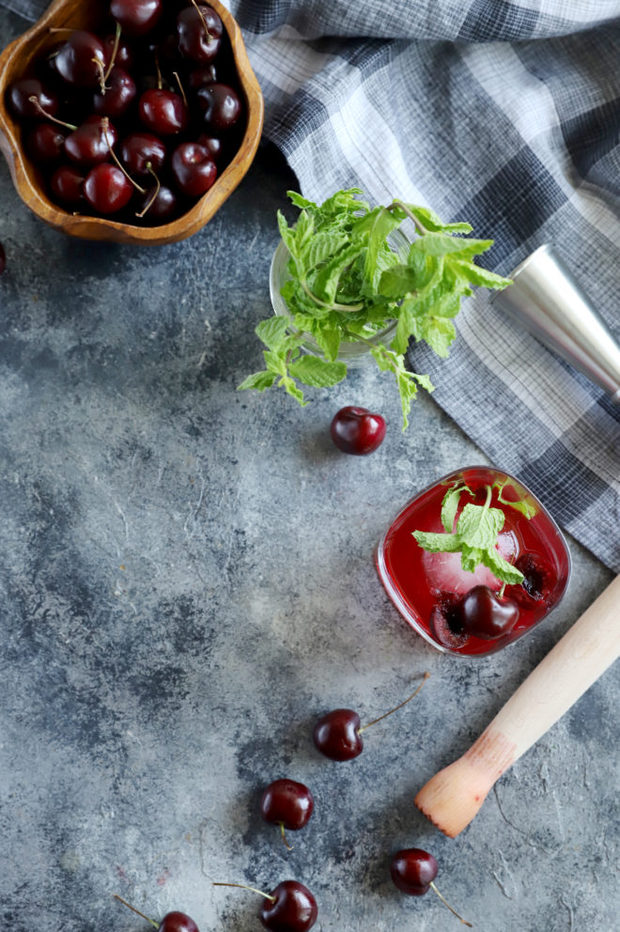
428,588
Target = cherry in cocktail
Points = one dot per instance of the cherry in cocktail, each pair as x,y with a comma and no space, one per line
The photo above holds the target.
474,562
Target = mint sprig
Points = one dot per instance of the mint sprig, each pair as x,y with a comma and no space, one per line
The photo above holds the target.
475,536
347,283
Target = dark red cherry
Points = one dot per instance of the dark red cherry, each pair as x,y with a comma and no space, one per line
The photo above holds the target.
212,144
81,60
2,259
357,430
122,52
287,803
91,142
67,185
141,150
199,33
136,17
156,205
536,585
336,735
480,612
27,97
220,106
177,922
172,922
291,907
120,94
413,870
163,112
193,169
201,76
443,627
107,189
45,143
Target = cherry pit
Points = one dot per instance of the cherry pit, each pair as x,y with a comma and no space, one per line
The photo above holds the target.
136,120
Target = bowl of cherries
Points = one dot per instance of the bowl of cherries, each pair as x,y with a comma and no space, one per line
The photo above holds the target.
129,120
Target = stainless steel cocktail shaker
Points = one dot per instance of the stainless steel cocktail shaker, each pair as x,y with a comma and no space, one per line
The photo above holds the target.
546,299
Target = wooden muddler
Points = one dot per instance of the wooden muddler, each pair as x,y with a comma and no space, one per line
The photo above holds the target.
453,796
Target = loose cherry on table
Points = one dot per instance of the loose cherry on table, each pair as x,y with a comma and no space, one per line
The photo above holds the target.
413,871
357,430
337,734
290,907
171,922
288,804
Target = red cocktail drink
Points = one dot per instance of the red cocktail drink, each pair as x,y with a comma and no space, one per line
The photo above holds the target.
473,611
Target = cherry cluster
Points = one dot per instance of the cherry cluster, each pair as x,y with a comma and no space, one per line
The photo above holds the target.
291,906
137,120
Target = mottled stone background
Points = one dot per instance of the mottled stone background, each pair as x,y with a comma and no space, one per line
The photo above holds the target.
187,583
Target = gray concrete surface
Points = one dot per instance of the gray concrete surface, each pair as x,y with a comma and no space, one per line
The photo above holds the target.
187,582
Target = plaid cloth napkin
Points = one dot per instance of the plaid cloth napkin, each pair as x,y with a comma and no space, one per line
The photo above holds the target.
504,113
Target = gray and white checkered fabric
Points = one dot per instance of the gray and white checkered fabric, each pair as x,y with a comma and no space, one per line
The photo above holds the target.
504,113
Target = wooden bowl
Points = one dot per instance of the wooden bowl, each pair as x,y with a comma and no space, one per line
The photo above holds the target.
81,14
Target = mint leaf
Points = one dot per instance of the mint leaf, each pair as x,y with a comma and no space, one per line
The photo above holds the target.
259,381
302,202
480,525
526,505
479,276
441,244
316,372
450,505
501,568
273,332
429,219
475,537
398,281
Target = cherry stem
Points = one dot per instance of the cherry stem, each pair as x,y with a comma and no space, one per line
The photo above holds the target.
133,909
158,71
117,38
43,112
115,158
445,902
204,22
102,74
396,708
178,80
284,838
151,200
244,886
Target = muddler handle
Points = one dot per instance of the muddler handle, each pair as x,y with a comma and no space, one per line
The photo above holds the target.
453,796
